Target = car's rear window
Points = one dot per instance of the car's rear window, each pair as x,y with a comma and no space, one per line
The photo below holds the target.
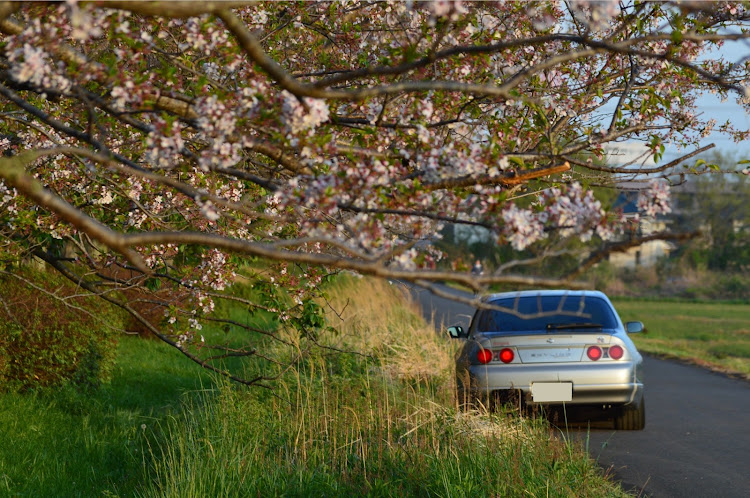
561,313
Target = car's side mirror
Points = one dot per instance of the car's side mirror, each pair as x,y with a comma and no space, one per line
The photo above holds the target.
634,327
456,332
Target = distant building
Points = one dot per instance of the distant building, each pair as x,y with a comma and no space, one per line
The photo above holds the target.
648,253
471,234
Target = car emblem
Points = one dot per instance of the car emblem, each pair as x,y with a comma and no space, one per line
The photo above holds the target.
600,340
550,340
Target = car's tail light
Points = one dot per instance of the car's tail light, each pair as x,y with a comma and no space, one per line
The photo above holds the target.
484,356
616,352
506,355
594,353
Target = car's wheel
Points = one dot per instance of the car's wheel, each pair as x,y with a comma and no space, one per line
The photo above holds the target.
632,418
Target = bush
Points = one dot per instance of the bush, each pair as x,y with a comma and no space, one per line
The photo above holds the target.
149,301
47,340
734,286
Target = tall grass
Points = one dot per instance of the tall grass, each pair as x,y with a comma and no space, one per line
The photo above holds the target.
379,420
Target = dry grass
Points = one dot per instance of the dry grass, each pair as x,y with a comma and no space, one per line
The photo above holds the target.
378,318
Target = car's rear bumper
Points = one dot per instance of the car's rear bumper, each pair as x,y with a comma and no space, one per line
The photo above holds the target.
606,383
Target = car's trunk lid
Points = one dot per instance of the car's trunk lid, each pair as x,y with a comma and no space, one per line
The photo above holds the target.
552,348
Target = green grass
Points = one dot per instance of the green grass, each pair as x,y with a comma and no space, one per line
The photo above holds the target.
715,335
66,443
382,423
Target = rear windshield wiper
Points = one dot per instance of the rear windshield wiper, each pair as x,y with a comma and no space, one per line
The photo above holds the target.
560,326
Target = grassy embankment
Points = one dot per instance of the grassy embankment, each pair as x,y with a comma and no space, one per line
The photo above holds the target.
712,334
379,424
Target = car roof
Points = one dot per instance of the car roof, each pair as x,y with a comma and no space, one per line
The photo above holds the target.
543,293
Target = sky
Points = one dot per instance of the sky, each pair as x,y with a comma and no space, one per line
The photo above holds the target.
710,106
721,111
737,52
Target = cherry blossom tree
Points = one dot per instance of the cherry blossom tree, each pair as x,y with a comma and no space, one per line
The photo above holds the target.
154,146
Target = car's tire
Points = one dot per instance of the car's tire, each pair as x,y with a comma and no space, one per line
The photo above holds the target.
632,418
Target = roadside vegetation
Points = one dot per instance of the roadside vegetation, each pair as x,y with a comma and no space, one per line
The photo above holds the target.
372,413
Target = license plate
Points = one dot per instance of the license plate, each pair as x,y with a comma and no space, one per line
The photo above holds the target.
552,392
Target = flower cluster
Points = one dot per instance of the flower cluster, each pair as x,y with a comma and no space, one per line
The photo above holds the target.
217,125
573,212
655,199
123,94
452,9
303,115
84,25
568,212
35,66
164,145
522,227
597,13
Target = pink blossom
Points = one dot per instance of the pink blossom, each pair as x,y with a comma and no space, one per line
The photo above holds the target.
208,210
297,118
447,8
83,23
123,95
164,146
655,200
33,65
522,227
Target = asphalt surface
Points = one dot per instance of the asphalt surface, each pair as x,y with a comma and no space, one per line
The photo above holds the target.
697,437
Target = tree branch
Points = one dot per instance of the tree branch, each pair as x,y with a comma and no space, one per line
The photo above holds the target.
599,255
509,179
174,9
87,285
13,171
643,171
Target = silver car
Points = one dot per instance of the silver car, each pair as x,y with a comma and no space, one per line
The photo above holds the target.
553,347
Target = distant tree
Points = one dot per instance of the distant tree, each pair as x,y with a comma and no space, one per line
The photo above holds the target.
157,146
717,205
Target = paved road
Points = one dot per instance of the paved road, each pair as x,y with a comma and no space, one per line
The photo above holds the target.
697,437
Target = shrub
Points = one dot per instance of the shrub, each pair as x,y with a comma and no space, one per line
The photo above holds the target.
149,301
47,339
733,286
